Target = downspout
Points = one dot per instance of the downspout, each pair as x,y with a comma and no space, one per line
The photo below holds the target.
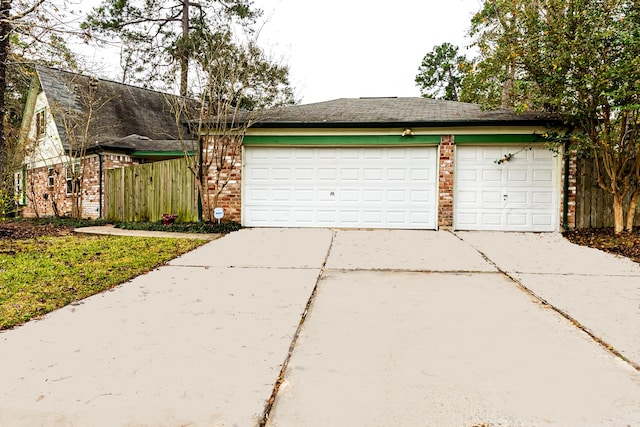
565,204
100,191
200,173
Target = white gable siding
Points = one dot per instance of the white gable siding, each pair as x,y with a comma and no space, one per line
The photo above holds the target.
45,151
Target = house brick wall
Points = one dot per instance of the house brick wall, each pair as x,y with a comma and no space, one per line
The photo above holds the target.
44,200
445,182
571,191
230,198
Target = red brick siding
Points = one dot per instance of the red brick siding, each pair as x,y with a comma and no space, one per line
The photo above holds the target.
572,191
445,182
230,198
41,197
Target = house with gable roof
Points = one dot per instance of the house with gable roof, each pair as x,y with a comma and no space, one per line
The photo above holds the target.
402,163
411,163
75,121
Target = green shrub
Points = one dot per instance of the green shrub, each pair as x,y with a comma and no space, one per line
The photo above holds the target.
183,227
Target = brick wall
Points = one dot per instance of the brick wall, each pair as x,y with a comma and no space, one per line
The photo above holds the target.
572,191
445,182
45,200
230,196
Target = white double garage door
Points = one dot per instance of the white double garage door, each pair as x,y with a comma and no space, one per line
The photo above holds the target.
397,187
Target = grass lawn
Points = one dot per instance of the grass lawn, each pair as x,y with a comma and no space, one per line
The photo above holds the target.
42,274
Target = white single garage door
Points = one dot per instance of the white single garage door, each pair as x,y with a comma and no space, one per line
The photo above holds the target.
381,187
518,194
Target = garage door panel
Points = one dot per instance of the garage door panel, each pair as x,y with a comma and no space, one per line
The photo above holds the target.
351,174
374,217
348,154
326,174
421,174
543,176
342,187
326,215
491,198
469,198
420,196
467,175
397,196
518,194
544,156
373,196
373,175
542,198
396,174
491,154
302,195
260,194
327,155
422,218
492,175
517,219
491,219
259,174
542,219
518,198
517,175
281,174
349,196
285,154
373,154
278,195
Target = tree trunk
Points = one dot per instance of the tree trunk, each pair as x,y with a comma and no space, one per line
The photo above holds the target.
618,214
184,55
631,210
5,30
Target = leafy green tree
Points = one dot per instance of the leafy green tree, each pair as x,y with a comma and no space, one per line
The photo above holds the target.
441,73
158,36
580,59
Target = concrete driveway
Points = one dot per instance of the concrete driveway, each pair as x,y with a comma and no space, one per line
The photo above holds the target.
342,328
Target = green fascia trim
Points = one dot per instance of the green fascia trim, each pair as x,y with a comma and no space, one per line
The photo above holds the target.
340,140
161,153
498,139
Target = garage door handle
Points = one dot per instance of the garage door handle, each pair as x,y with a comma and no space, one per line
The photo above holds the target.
504,197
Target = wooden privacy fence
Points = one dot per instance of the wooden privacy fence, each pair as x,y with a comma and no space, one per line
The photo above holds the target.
594,206
145,192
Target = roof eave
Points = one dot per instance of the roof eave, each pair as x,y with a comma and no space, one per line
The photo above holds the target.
409,124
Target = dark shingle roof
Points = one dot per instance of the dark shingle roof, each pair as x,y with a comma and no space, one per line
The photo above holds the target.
395,111
120,111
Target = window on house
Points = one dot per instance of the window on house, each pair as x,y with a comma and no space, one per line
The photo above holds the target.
41,125
51,177
18,180
73,178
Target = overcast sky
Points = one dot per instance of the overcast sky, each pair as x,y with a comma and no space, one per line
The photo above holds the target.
356,48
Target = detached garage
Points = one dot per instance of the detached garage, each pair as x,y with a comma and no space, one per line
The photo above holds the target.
402,163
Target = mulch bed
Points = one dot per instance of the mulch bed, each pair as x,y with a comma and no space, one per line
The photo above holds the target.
10,230
626,244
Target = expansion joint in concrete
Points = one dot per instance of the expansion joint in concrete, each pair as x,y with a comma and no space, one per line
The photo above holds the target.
409,270
281,376
547,304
